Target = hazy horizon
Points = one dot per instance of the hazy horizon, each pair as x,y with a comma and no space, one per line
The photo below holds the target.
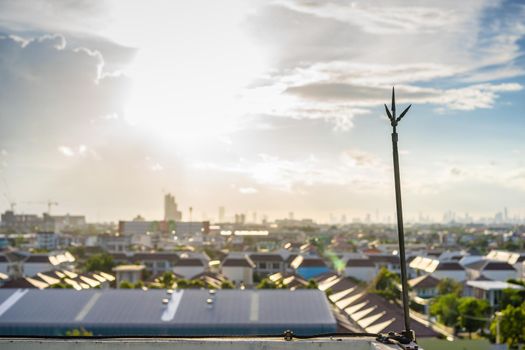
273,107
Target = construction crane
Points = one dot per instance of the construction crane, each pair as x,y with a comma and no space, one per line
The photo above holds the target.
49,204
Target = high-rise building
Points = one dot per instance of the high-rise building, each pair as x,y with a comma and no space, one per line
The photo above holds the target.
222,212
170,209
240,219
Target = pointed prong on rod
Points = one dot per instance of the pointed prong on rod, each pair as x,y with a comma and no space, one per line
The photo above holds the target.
403,113
393,103
388,113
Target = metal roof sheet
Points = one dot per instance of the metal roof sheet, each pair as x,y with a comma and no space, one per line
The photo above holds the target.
137,312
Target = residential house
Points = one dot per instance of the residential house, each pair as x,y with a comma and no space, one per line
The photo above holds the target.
129,273
424,286
388,261
439,269
188,267
517,260
362,269
309,266
491,291
156,262
267,263
238,268
491,269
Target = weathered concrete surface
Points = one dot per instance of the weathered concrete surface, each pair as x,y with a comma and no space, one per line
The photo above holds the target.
193,344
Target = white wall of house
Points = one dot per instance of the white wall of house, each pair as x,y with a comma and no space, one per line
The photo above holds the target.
458,275
426,292
237,274
31,269
366,274
188,271
130,276
3,267
502,275
268,267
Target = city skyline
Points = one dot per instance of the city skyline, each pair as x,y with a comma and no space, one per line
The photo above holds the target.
261,107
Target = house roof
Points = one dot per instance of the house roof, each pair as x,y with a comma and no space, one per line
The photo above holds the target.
490,265
155,256
26,282
266,257
189,262
493,285
129,268
109,312
425,281
302,262
371,312
430,265
385,258
291,258
244,261
37,258
360,263
449,266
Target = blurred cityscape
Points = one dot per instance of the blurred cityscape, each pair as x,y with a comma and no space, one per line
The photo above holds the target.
462,263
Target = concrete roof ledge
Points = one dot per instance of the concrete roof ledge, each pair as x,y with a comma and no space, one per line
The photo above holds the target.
194,344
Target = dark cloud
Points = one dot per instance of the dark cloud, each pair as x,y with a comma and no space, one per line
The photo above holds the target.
352,93
50,86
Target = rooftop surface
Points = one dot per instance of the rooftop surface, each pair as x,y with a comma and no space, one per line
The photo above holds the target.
493,285
196,344
184,313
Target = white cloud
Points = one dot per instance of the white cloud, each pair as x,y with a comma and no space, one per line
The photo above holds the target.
66,151
248,190
78,151
335,59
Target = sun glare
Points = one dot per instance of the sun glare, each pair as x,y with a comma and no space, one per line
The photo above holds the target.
189,92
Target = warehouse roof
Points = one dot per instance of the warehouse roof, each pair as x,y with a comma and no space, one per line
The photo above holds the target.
188,312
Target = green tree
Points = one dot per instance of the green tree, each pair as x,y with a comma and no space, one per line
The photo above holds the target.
125,285
186,284
511,325
448,286
445,308
227,285
312,284
511,297
99,262
138,285
167,279
472,314
76,332
385,284
267,283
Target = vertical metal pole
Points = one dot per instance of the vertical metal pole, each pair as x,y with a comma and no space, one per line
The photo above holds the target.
394,120
401,234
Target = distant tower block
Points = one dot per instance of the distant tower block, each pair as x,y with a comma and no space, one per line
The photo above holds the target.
222,213
170,209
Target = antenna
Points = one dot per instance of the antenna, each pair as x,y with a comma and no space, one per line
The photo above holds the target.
407,333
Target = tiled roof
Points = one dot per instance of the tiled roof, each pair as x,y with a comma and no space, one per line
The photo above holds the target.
38,258
449,266
189,262
488,265
360,263
238,262
266,257
425,281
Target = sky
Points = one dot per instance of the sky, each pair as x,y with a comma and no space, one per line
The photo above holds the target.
261,106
